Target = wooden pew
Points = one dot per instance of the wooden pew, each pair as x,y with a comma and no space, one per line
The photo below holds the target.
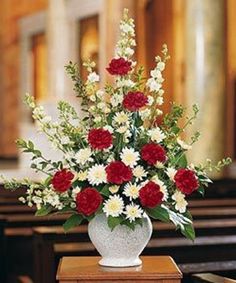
210,278
19,241
53,244
2,250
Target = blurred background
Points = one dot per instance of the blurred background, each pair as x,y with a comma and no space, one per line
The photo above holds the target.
38,37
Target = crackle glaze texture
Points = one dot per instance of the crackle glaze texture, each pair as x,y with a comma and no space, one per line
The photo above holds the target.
122,246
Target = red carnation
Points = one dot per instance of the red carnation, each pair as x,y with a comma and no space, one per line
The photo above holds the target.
88,201
133,101
99,138
118,173
186,181
119,67
150,195
152,153
61,181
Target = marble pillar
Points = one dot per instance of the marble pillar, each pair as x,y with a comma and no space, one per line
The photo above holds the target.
205,75
58,48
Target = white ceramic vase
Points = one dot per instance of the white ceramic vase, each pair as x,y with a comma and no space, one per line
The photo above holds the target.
122,246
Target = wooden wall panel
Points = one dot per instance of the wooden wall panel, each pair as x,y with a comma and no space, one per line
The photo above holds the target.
10,12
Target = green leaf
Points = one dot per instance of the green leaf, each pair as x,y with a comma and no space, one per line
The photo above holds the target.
47,181
188,215
114,221
72,221
31,145
139,221
201,191
43,211
188,232
105,191
129,224
175,129
158,213
182,162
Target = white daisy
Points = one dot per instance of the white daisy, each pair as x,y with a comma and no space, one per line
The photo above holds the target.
122,129
121,118
133,211
114,189
156,135
163,187
97,175
171,173
93,77
83,156
183,144
129,156
114,206
131,191
180,202
82,175
139,172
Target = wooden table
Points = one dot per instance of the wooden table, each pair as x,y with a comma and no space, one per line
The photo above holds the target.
159,269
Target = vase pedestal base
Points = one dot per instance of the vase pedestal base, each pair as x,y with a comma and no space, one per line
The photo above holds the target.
120,262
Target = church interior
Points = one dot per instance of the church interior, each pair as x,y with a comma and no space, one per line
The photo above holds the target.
37,39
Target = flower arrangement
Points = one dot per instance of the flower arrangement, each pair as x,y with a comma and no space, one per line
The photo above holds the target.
124,157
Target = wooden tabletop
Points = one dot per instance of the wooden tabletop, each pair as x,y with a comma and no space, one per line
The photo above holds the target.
86,269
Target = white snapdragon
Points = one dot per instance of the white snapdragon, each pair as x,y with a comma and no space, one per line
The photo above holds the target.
184,145
156,135
144,114
180,202
150,100
153,85
75,192
52,198
116,99
65,140
122,82
93,77
127,28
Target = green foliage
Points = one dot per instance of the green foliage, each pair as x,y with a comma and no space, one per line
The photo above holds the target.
72,70
44,210
158,213
114,221
188,231
105,191
73,221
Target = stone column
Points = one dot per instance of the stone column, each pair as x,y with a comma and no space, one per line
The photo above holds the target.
58,48
205,75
